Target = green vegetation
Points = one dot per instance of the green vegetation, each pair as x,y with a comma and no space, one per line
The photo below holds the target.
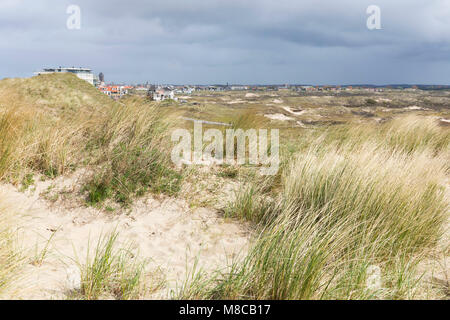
407,134
371,102
27,181
70,125
345,206
111,272
357,192
132,159
40,256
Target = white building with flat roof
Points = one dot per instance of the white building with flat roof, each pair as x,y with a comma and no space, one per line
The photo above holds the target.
82,73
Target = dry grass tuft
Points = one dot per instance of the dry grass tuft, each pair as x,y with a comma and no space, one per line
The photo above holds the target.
347,207
122,143
112,272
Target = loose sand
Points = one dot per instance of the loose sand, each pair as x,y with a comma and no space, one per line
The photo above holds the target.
297,112
165,231
236,101
278,116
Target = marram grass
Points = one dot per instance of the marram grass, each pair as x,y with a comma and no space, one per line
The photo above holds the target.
123,145
346,208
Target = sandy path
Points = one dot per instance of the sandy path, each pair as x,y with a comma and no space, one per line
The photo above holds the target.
278,116
166,232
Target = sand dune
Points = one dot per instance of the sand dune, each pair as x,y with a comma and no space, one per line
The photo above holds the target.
165,231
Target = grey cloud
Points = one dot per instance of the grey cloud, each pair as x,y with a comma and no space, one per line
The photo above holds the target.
210,41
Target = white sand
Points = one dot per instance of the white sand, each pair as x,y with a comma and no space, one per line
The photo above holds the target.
383,100
413,108
236,101
297,113
278,116
300,124
165,231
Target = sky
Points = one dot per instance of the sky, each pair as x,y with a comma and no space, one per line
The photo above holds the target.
321,42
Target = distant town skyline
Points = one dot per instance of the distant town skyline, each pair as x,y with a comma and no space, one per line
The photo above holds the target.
237,42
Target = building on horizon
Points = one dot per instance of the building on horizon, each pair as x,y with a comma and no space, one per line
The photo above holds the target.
161,93
114,91
82,73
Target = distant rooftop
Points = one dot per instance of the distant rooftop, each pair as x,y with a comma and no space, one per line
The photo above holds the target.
82,73
67,69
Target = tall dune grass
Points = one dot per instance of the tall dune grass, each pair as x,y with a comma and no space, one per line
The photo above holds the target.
36,137
346,207
111,271
406,134
351,200
123,144
133,155
54,124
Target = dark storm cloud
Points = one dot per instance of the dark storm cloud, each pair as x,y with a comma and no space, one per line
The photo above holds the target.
247,41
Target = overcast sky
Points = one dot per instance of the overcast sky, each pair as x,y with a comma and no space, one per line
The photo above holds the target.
235,41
